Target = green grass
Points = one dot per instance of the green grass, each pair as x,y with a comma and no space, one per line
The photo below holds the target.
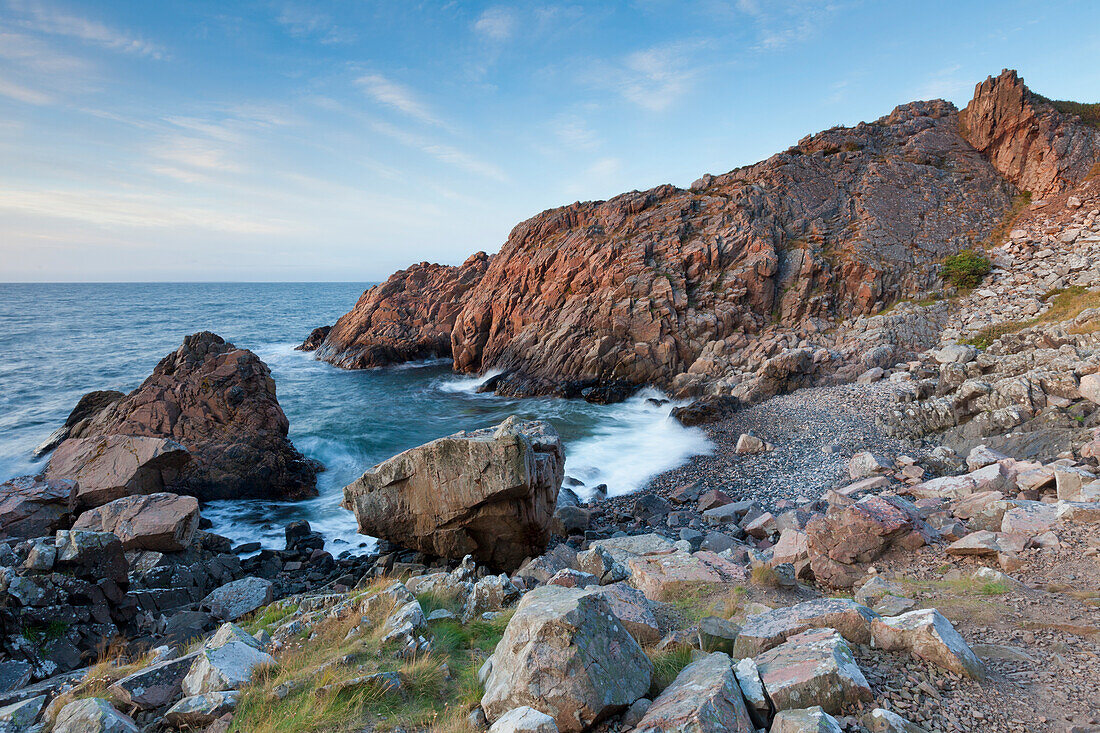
1088,112
269,617
40,634
666,665
1065,305
966,269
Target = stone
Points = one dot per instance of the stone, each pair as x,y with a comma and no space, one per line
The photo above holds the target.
887,721
1075,484
1090,388
87,407
841,540
35,507
945,487
717,634
661,577
752,689
928,635
202,710
792,547
956,354
704,698
1078,511
875,589
872,375
91,554
20,716
805,720
981,543
218,402
565,652
110,467
633,609
891,605
866,464
815,667
154,686
543,567
490,493
92,715
524,720
162,522
237,598
571,578
750,444
1029,518
14,674
982,456
228,666
491,593
601,564
624,548
771,628
635,713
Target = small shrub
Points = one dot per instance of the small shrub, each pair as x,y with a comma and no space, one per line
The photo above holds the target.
765,576
966,269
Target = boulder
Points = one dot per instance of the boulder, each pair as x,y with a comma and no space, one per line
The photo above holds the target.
565,652
87,407
930,636
805,720
887,721
490,493
984,543
110,467
20,716
750,444
704,698
633,609
624,548
875,590
201,710
813,668
1076,484
92,715
1090,388
35,507
545,566
860,533
91,554
770,629
237,598
154,686
227,661
219,403
524,720
752,689
600,563
866,464
162,522
661,577
1029,518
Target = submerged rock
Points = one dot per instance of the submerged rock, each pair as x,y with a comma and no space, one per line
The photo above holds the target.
489,493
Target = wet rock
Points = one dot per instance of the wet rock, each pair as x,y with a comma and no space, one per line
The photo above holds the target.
501,485
928,635
813,668
704,698
110,467
162,522
565,652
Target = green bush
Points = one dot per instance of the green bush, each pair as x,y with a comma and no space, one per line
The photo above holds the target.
966,269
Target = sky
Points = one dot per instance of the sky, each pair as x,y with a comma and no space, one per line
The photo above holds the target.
285,140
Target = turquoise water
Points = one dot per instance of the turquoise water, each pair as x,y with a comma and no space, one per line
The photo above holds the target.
58,341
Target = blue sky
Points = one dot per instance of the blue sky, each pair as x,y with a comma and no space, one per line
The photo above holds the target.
342,140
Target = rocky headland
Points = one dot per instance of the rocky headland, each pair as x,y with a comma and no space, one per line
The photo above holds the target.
896,531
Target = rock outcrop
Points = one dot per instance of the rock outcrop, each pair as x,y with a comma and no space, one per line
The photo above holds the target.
33,507
488,493
110,467
1031,143
408,317
218,402
161,522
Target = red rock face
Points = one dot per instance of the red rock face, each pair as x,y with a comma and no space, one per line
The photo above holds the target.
408,317
219,402
1028,141
638,289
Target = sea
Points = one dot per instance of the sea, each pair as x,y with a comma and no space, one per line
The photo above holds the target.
59,341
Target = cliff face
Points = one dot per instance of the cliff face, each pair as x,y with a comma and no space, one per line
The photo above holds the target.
642,287
1027,140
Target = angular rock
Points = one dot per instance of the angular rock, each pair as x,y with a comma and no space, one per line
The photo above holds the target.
866,464
87,407
663,576
219,403
601,564
92,715
1090,388
202,710
110,467
717,634
20,716
91,554
875,589
752,689
33,507
524,720
153,687
887,721
229,666
633,609
624,548
704,698
813,668
750,444
930,636
805,720
565,652
237,598
162,522
1076,484
770,629
1029,518
490,493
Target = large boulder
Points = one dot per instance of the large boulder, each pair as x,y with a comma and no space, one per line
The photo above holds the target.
565,654
92,715
91,554
860,533
218,402
663,576
489,493
704,698
35,507
813,668
110,467
805,720
237,598
770,629
930,636
154,686
162,522
227,661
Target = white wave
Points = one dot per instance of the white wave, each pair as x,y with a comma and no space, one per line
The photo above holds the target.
468,385
422,363
634,441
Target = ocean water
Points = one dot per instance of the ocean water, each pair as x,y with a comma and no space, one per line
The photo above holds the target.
59,341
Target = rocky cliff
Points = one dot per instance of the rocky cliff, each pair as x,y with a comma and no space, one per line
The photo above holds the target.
679,288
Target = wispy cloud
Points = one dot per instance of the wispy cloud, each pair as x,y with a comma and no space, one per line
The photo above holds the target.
945,83
497,24
38,16
304,22
22,94
441,151
399,97
653,79
573,132
782,23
